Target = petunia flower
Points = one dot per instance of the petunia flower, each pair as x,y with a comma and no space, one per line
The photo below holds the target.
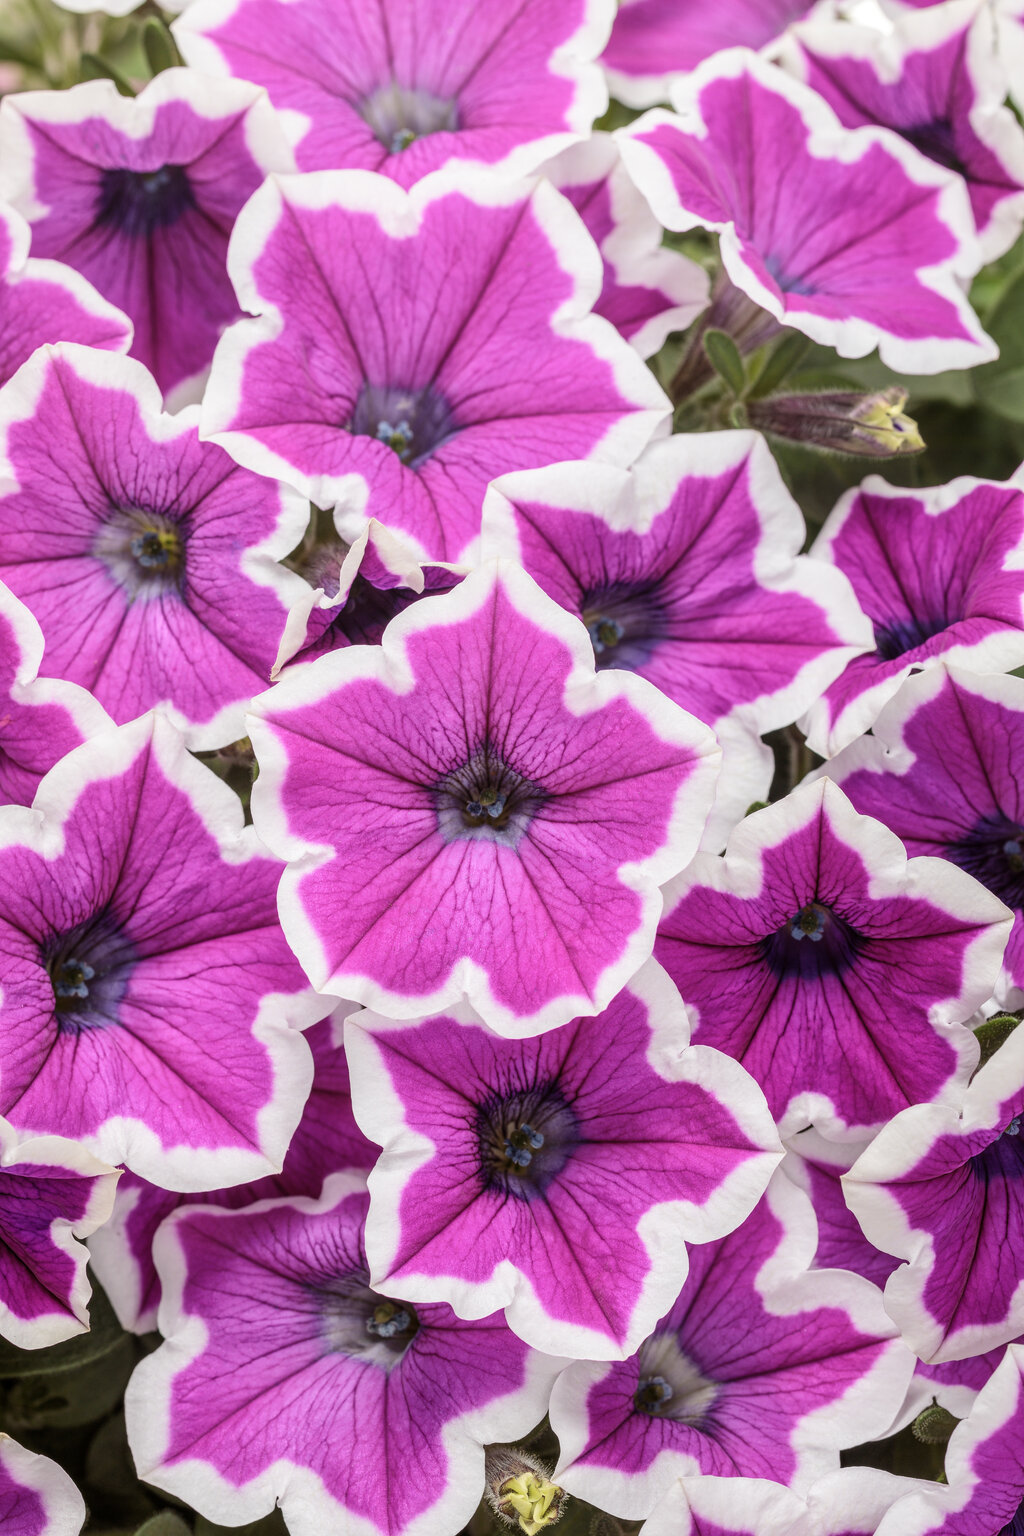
52,1194
471,811
412,345
40,719
862,242
148,557
984,1470
850,1502
649,290
837,971
762,1368
938,769
326,1139
941,1189
686,570
938,81
286,1379
817,1166
406,86
654,43
559,1178
150,1002
37,1497
139,194
43,301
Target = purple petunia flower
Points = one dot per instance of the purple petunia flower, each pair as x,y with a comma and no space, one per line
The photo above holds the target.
37,1497
655,42
412,345
838,972
984,1490
471,811
816,1166
762,1368
326,1139
405,86
43,301
148,557
850,1502
40,719
649,290
52,1193
150,1002
139,194
941,1189
862,242
686,570
938,769
533,1178
940,574
936,79
286,1379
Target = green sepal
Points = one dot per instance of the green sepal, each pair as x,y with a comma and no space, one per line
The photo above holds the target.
724,356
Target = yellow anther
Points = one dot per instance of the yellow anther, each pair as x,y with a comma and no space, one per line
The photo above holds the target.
882,417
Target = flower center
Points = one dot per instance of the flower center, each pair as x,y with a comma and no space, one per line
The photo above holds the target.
140,202
787,282
412,423
814,942
625,625
525,1139
993,852
937,140
486,797
143,551
89,967
398,116
896,638
670,1385
355,1320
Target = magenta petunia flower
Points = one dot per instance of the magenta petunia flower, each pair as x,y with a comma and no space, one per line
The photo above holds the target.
150,559
941,1189
404,88
649,290
862,243
139,194
529,1179
150,1002
412,345
37,1497
686,570
938,769
850,1502
43,301
52,1193
471,811
40,720
938,81
984,1489
838,972
762,1368
655,42
286,1379
817,1166
359,588
326,1139
940,574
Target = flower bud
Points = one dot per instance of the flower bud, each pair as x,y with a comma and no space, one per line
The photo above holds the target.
520,1492
871,426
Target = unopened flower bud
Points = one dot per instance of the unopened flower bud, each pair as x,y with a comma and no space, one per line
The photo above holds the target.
934,1425
993,1033
520,1491
871,426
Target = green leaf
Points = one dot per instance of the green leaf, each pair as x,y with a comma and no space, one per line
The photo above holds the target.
789,354
104,1335
68,1399
270,1525
160,49
999,385
92,67
724,357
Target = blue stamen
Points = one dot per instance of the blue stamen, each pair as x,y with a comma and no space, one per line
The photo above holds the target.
809,923
652,1394
72,978
1013,1129
387,1321
604,634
